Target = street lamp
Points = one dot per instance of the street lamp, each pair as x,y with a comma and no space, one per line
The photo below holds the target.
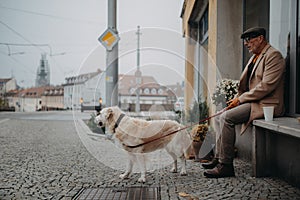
81,104
138,73
98,109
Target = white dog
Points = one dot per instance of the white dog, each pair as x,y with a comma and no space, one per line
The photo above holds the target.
139,136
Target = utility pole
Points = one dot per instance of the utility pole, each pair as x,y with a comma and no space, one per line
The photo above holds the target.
112,58
138,73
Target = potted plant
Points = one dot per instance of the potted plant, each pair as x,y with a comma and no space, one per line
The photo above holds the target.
198,134
198,112
93,126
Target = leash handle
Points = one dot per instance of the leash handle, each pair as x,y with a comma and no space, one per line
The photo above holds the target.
171,133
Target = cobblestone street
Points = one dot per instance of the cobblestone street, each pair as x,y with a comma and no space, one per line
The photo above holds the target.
47,159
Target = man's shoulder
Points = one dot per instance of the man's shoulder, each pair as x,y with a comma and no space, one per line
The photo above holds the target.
272,51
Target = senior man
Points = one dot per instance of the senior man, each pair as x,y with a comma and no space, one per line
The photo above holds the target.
261,83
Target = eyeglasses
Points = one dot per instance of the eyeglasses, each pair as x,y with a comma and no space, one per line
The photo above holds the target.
247,39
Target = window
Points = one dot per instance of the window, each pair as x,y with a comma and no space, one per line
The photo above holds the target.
146,91
153,91
132,90
160,91
203,26
284,36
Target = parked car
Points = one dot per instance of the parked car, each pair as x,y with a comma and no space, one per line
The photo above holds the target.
91,105
179,104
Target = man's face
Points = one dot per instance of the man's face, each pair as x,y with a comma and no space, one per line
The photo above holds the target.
253,44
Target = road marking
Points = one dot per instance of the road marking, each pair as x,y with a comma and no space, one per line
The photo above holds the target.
3,120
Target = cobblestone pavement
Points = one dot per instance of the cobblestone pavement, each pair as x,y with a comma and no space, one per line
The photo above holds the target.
48,160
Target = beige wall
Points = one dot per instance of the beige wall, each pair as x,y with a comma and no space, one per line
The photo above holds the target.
224,45
53,102
212,50
223,58
189,74
189,54
11,85
229,44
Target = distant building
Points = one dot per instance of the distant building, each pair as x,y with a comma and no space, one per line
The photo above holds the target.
27,100
177,89
53,98
43,73
151,93
6,85
87,89
84,88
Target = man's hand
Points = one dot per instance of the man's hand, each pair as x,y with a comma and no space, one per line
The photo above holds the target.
233,103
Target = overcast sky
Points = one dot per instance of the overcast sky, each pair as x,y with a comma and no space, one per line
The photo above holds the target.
69,29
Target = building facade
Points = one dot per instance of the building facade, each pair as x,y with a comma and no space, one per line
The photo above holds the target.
6,86
151,94
84,89
27,100
53,98
214,50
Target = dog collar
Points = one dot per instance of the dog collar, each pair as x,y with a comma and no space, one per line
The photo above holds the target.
118,121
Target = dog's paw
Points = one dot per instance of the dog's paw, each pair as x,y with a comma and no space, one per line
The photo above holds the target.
124,176
173,170
142,180
183,173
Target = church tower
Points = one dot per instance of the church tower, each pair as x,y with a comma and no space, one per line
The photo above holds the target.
43,73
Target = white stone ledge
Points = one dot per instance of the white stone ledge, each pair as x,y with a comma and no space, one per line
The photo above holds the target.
286,125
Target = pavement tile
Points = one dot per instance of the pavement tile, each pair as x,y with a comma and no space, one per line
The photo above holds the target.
47,159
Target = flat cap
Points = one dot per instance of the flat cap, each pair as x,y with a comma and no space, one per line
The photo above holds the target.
254,32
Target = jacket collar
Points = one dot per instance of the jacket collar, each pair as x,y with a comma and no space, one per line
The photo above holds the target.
261,55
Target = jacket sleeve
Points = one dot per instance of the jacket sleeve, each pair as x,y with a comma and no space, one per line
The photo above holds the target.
274,67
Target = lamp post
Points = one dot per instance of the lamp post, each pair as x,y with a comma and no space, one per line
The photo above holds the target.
81,104
112,69
138,73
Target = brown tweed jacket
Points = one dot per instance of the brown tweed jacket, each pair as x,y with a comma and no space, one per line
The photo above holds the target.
266,84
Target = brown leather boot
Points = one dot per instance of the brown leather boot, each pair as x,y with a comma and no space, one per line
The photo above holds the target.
211,164
220,171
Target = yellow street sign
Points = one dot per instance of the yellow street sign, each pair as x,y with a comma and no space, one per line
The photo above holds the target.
109,39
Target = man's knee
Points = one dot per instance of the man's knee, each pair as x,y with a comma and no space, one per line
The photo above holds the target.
226,118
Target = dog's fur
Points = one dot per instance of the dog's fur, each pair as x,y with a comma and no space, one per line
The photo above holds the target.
148,135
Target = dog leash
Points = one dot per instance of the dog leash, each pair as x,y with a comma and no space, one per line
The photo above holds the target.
171,133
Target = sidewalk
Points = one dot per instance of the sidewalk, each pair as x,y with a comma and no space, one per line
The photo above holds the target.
196,186
43,159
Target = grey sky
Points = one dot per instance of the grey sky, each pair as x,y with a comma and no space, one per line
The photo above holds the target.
73,27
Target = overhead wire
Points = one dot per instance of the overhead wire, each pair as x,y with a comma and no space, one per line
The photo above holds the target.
38,46
30,44
20,35
50,16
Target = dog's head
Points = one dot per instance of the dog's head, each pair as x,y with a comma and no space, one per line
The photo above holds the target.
104,117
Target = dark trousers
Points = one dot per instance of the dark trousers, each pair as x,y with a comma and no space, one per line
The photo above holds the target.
225,131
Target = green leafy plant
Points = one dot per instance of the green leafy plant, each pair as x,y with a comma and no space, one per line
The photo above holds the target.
199,111
93,126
